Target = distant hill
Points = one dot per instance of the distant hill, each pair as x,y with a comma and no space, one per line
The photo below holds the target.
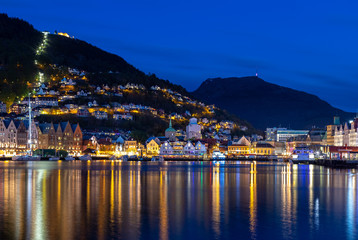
267,105
29,57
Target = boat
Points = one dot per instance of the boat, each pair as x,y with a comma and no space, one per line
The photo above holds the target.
218,155
302,155
113,157
69,158
85,158
54,158
124,158
157,159
133,158
26,158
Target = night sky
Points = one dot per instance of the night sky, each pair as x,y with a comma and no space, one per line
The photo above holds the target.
306,45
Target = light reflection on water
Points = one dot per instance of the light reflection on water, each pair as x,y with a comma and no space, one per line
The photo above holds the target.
171,200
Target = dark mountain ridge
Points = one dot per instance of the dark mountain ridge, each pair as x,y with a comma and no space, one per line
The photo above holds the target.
268,105
30,58
19,41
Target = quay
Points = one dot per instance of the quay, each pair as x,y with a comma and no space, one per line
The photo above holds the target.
333,163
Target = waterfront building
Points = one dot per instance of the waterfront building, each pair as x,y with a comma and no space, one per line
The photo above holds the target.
189,149
178,148
13,136
21,138
153,146
282,134
236,150
240,147
193,130
130,147
262,148
106,146
330,131
200,149
166,149
43,131
315,140
90,142
346,134
62,136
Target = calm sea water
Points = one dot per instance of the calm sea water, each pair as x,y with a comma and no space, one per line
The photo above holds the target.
176,200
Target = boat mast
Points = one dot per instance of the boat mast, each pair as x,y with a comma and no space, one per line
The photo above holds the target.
30,132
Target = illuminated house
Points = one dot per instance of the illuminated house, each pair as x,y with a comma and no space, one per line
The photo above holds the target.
153,146
178,148
200,149
189,149
130,147
166,149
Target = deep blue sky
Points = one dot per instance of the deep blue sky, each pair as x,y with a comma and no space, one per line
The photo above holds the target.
309,45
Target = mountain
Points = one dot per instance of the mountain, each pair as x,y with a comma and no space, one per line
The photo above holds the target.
19,41
30,58
268,105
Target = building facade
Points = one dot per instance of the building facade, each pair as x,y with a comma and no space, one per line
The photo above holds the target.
193,130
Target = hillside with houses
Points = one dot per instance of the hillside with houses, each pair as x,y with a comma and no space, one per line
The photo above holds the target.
66,80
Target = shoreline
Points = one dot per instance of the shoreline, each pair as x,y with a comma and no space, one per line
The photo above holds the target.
332,163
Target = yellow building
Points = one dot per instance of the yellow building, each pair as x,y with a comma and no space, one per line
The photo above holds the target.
130,147
238,150
262,149
153,147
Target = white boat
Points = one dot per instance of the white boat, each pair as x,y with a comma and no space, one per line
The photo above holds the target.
218,155
26,158
157,159
85,158
54,158
69,158
302,154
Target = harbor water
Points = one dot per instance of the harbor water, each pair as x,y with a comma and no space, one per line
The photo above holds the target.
176,200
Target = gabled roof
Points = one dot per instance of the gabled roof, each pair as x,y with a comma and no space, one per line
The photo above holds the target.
243,141
63,125
155,139
74,126
44,127
264,145
56,126
7,122
17,124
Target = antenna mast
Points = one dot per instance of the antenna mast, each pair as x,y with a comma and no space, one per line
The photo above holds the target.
30,120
